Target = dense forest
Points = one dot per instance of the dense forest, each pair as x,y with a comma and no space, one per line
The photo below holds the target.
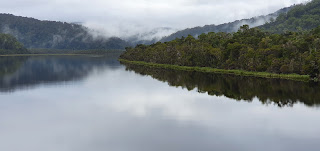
248,49
34,33
301,17
10,45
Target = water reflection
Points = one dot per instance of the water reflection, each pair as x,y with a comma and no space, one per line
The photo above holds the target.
27,72
268,91
113,109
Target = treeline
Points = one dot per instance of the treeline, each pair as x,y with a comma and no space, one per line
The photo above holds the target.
248,49
10,45
300,17
34,33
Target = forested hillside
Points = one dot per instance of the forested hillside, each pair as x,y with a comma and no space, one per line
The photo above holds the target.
10,45
247,49
227,27
300,18
34,33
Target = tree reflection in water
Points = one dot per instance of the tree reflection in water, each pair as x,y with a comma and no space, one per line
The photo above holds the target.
30,71
284,93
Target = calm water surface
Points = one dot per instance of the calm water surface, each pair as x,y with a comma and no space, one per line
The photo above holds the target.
88,103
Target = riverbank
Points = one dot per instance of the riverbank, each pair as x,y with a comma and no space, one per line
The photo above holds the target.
295,77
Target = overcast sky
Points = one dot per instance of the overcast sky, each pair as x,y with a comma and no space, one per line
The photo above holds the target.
124,16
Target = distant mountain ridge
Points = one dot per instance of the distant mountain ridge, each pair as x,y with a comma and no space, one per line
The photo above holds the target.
301,17
35,33
227,27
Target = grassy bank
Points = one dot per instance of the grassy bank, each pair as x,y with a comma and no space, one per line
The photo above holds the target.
295,77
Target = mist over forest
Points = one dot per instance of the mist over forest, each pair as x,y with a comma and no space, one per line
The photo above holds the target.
90,29
34,33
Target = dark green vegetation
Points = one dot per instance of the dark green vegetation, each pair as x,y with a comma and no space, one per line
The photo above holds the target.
247,49
292,49
34,33
299,18
10,45
227,27
269,91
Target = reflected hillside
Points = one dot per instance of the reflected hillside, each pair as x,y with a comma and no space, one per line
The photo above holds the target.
9,65
268,91
26,72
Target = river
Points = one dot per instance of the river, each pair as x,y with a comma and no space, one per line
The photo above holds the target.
81,103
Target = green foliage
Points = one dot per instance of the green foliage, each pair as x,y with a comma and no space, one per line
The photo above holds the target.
10,45
246,50
301,17
55,35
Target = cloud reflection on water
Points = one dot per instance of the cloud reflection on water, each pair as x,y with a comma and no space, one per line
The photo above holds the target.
122,111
